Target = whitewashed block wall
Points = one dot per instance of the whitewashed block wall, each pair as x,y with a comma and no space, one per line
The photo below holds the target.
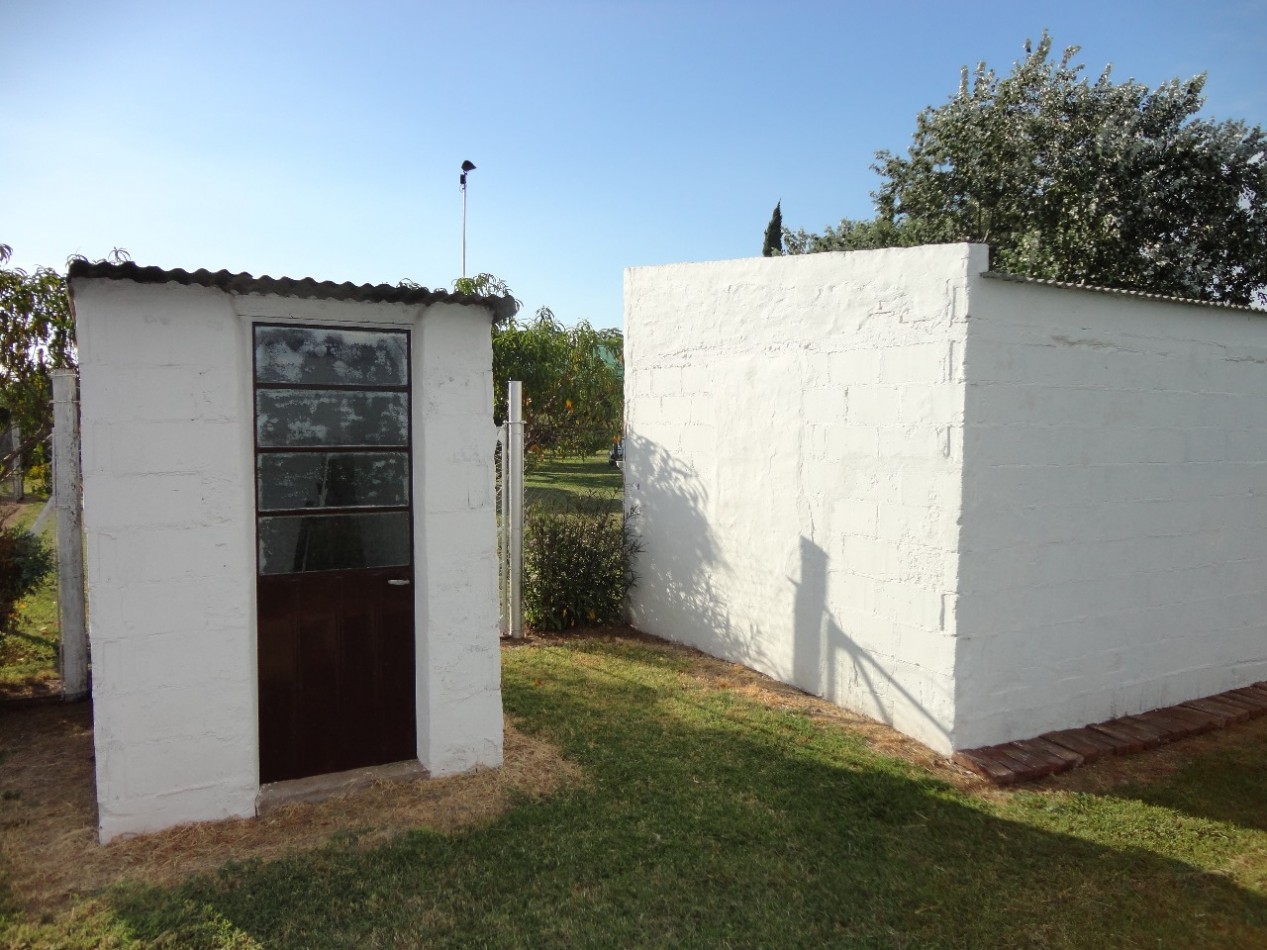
882,477
167,421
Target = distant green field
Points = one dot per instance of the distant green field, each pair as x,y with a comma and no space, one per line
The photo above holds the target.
556,482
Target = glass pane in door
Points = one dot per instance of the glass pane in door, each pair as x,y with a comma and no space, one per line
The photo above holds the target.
319,417
345,542
291,480
316,356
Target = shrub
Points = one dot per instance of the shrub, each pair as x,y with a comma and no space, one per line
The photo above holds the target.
577,565
25,560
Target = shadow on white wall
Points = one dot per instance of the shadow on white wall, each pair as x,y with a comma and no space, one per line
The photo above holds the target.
823,653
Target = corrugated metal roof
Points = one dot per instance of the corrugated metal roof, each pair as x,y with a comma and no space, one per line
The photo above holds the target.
1118,291
501,307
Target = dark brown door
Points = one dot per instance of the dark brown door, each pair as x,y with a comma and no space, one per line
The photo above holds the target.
334,549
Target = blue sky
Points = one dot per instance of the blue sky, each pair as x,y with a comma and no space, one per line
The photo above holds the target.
324,139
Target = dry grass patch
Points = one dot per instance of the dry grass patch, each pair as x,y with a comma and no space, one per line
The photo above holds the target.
49,852
879,737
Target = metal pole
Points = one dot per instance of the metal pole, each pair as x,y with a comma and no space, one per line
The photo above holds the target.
514,488
467,167
503,534
70,535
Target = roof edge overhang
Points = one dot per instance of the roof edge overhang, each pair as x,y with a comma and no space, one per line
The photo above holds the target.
1120,292
501,307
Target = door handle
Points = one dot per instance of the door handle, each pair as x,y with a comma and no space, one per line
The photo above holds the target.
398,583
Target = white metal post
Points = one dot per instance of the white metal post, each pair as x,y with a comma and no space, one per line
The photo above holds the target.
503,533
513,486
467,167
67,495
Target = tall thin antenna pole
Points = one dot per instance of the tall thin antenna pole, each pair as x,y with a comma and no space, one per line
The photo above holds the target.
467,166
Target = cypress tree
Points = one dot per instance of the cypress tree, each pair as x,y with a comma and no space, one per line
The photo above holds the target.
773,246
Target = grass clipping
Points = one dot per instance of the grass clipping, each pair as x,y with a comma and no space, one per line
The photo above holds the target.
48,846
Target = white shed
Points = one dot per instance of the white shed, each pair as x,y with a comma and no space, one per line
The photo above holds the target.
976,508
290,534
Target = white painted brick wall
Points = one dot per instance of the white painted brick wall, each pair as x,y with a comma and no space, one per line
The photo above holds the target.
169,520
1114,537
975,509
799,510
167,516
459,670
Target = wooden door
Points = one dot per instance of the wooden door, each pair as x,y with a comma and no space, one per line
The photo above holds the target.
334,549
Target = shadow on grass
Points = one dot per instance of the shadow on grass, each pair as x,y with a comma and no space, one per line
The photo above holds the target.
44,640
563,498
707,820
1224,784
25,657
593,473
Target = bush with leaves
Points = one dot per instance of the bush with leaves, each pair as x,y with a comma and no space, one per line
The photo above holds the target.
577,565
25,561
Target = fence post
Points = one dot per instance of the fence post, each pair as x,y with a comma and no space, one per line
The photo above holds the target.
67,494
19,486
513,486
502,454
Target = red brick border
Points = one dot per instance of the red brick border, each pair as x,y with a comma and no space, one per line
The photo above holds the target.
1052,752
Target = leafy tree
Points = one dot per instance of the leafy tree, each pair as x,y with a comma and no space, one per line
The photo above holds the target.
1095,182
573,380
573,377
852,235
773,245
37,334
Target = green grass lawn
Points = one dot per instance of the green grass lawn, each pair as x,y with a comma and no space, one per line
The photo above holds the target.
705,818
559,481
29,654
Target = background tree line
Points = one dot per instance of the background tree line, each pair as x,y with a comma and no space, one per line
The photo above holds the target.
573,376
37,334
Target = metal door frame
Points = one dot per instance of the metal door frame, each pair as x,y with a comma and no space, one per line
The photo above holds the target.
403,329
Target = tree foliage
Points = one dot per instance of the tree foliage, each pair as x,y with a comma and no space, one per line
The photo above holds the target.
481,285
37,334
573,379
773,244
852,235
1093,182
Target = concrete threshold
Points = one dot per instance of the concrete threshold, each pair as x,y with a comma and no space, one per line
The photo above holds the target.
319,788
